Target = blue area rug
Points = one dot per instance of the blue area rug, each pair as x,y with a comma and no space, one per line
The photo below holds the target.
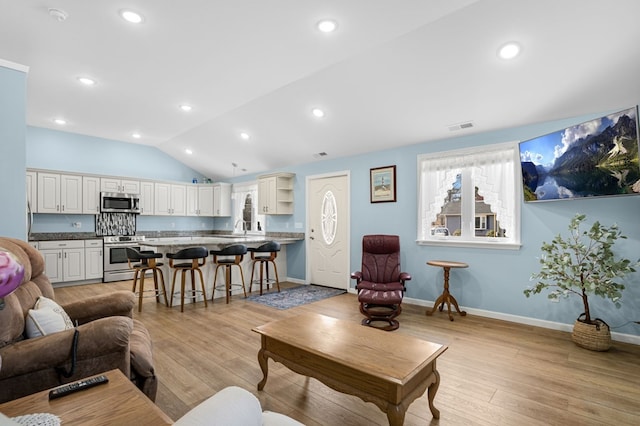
295,296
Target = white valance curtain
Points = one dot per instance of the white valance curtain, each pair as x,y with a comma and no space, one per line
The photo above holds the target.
493,171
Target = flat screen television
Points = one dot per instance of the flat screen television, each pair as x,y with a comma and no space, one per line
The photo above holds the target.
592,159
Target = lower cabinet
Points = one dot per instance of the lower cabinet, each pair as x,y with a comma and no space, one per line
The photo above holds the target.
63,260
93,259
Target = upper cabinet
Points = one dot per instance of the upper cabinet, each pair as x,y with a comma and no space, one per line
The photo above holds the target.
90,195
275,193
170,199
49,191
221,199
120,185
146,198
59,193
32,191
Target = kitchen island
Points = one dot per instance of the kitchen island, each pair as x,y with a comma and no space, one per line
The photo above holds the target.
219,242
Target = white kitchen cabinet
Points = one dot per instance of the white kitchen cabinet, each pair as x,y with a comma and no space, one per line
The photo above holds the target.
94,262
205,200
222,199
90,195
32,190
170,199
200,200
275,193
146,198
192,200
119,185
64,260
59,193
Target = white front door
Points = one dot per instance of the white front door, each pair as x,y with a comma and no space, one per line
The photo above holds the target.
328,230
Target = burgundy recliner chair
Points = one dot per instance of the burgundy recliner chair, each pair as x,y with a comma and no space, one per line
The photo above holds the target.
380,284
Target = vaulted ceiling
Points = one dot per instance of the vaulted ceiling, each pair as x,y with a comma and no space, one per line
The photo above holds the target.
393,73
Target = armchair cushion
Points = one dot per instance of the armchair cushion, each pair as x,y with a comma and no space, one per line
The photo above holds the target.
46,317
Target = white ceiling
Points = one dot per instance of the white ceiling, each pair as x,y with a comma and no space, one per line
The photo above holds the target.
395,73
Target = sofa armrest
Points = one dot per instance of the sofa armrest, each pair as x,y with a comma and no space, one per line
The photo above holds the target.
118,303
100,337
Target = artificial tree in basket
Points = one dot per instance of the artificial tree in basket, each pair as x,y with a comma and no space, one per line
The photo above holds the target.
583,264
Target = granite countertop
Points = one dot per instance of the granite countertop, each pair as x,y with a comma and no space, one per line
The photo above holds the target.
217,242
181,237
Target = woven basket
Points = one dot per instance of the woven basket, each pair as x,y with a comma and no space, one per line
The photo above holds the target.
595,337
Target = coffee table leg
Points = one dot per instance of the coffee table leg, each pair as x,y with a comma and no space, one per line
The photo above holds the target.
432,394
264,366
395,415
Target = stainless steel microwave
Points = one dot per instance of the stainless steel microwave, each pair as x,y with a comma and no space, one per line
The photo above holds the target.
116,202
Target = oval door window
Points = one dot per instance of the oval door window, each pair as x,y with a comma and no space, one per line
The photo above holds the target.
329,217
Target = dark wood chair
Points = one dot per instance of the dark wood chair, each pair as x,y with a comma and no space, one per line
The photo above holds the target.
263,255
226,259
380,284
190,259
141,262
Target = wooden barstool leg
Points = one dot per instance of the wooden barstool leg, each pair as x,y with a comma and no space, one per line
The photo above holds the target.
135,280
141,290
173,287
262,276
204,291
275,270
244,290
253,268
158,272
215,279
227,281
182,289
193,286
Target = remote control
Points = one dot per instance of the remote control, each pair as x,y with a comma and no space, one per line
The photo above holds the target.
77,386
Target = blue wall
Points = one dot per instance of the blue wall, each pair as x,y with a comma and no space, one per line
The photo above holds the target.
495,279
13,95
70,152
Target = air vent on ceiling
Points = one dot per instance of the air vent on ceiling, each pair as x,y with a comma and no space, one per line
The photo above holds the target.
460,126
320,155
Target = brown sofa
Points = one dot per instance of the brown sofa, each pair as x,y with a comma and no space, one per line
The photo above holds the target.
108,337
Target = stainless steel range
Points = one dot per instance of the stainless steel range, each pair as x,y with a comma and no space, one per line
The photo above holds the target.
116,266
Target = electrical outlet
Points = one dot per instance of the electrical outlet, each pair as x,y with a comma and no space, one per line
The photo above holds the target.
298,225
77,224
173,224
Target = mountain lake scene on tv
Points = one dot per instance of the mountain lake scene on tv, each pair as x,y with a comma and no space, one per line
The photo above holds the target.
594,158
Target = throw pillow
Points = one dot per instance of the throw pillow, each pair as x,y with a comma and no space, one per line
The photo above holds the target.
46,317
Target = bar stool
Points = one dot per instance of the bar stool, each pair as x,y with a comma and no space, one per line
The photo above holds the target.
226,258
194,258
262,255
147,262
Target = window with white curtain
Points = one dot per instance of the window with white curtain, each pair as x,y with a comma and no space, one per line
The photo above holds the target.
470,197
244,197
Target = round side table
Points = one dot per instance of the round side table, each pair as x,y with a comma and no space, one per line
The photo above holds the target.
446,297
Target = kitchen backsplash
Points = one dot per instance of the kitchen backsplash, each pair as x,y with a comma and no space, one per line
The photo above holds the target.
115,224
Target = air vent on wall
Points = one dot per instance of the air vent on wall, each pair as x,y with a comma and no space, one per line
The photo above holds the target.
460,126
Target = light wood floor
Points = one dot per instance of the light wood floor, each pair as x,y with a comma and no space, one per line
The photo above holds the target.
494,372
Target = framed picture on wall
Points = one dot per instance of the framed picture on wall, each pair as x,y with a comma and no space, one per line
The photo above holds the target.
383,184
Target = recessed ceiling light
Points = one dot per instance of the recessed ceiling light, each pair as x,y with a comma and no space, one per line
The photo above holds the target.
186,107
317,112
509,50
131,16
327,25
87,81
188,151
136,135
60,121
245,136
58,14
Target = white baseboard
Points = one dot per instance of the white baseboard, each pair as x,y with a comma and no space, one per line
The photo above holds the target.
618,337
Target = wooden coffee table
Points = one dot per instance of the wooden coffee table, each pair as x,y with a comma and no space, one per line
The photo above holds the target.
388,369
118,402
